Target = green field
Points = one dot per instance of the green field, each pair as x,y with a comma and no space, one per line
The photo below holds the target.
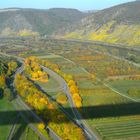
109,114
24,132
98,96
50,85
102,108
57,59
66,65
50,56
123,86
86,83
9,119
37,53
74,71
120,130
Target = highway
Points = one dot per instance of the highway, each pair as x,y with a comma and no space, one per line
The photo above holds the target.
63,85
13,128
20,105
78,118
19,102
25,107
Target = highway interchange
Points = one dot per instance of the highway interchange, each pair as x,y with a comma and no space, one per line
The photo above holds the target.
78,118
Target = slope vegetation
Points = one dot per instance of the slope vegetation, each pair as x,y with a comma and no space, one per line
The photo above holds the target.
41,21
118,24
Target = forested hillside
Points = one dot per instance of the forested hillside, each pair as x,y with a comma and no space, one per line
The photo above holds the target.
118,24
33,21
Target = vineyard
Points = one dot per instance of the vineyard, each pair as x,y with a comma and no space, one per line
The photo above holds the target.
70,73
99,82
102,107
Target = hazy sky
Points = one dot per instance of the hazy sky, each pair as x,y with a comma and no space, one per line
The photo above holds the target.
45,4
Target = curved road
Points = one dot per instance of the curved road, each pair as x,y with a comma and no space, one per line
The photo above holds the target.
19,103
89,133
79,121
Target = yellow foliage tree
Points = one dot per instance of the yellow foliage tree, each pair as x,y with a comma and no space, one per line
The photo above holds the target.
73,89
2,81
41,126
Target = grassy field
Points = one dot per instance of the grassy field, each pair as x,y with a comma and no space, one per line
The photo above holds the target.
6,107
123,86
120,130
37,53
74,71
86,83
57,59
100,95
24,132
50,56
106,112
66,65
103,109
109,114
50,85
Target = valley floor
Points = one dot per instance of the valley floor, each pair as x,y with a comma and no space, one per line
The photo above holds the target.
108,86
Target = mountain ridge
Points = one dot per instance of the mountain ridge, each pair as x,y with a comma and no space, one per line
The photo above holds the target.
118,24
45,22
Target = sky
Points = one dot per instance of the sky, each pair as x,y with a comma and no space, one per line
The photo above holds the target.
82,5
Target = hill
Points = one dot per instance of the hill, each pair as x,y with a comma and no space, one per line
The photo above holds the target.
118,24
45,22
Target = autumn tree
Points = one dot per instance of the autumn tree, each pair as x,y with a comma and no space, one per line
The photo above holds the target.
41,126
34,70
2,81
12,65
61,98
